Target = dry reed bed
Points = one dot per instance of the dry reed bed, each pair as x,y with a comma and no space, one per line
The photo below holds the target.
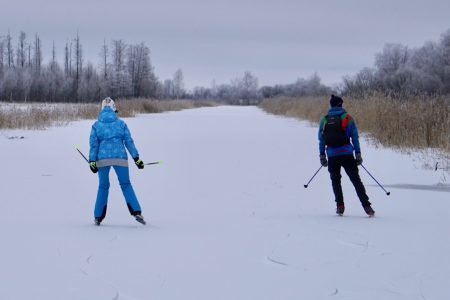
41,116
409,123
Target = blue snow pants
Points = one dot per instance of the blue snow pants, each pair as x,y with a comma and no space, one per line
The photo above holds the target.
103,189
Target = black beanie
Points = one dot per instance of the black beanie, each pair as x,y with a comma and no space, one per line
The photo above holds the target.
336,101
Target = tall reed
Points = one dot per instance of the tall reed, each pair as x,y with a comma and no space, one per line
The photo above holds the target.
411,122
41,115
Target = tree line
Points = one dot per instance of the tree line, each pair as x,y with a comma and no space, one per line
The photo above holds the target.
245,90
123,70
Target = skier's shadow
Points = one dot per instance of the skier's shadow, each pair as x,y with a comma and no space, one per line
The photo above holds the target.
126,226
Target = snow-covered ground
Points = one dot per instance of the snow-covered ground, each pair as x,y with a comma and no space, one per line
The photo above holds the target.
229,217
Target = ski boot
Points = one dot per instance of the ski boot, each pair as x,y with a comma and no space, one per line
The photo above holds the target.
97,221
140,219
340,208
369,210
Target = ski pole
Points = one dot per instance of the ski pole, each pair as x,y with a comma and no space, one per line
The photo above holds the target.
82,155
151,163
306,185
387,193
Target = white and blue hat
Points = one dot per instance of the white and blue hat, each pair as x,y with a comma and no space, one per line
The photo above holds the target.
108,102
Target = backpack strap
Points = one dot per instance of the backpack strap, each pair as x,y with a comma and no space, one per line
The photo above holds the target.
345,121
324,119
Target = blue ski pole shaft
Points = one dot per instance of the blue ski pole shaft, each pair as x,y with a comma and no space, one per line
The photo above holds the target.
306,185
387,193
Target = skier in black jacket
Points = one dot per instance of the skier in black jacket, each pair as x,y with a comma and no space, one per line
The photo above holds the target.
338,138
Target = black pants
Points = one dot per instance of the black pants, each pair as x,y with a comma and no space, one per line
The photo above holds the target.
349,164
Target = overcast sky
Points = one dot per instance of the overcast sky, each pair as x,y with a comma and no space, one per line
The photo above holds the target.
277,40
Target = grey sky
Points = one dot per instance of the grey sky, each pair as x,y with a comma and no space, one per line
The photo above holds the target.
277,40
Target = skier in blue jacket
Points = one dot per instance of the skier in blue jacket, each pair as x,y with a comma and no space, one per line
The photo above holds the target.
108,139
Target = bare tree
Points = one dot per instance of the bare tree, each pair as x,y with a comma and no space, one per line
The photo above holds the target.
2,54
249,88
78,57
70,58
168,91
54,62
37,59
30,61
9,51
119,78
21,50
104,53
178,84
38,74
66,59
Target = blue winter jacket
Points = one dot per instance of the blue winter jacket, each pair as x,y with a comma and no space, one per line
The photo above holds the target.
351,132
109,137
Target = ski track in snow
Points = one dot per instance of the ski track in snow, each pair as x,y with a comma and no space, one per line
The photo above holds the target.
364,246
279,244
116,297
88,259
276,261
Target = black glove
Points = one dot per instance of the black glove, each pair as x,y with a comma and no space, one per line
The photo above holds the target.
139,163
93,166
323,160
358,158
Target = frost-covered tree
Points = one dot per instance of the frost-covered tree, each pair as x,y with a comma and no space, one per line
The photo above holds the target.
392,58
249,88
399,70
119,79
143,79
2,55
178,84
168,91
445,50
104,54
55,79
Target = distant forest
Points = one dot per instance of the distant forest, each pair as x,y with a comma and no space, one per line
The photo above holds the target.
125,71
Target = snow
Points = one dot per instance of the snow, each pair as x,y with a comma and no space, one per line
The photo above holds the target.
229,217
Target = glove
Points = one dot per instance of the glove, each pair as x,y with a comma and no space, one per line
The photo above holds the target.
93,166
358,158
139,163
323,160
